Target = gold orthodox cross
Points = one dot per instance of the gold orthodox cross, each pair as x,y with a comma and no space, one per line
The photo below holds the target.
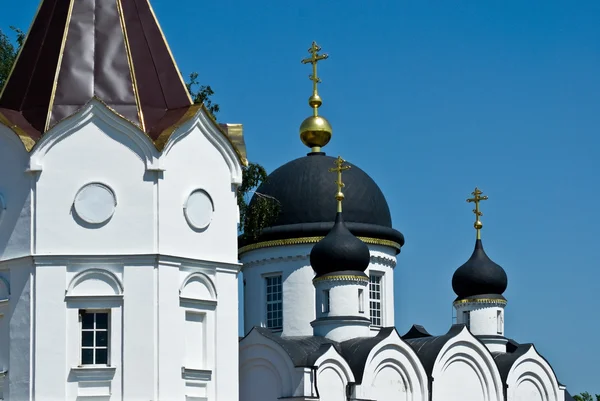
314,59
476,199
339,162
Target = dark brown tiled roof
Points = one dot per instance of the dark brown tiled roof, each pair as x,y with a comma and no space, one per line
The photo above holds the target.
114,51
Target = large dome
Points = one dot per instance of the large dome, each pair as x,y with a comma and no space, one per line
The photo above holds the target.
305,190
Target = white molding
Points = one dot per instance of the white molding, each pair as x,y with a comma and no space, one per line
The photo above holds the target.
94,109
379,260
196,374
82,276
204,279
128,260
214,136
93,298
94,373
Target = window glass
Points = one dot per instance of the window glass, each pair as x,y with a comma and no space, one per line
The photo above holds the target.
274,302
375,296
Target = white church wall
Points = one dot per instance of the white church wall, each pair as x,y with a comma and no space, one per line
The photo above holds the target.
140,355
266,373
393,372
227,340
383,262
532,379
293,263
194,229
15,203
94,146
333,375
18,383
464,370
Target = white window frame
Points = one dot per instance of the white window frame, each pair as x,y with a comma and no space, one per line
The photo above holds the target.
94,330
274,303
361,300
326,301
467,318
377,321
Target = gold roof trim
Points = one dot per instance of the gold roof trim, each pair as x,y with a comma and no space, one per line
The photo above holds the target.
58,64
480,301
28,143
311,240
341,277
235,138
164,38
134,84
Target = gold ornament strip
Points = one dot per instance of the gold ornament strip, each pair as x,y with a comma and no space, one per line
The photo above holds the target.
480,301
311,240
341,277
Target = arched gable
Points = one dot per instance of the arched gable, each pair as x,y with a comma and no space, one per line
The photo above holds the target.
95,283
333,375
198,286
4,289
393,362
98,113
215,136
464,369
264,360
531,378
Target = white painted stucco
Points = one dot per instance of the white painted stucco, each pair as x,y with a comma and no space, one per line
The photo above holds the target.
170,289
293,263
532,378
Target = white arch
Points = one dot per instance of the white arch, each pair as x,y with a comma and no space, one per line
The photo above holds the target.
189,290
256,350
394,352
215,136
467,349
532,367
332,359
95,111
95,282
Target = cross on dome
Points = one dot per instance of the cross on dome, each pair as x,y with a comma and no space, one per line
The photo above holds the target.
476,199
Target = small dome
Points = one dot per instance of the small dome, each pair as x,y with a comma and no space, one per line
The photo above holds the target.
479,276
339,251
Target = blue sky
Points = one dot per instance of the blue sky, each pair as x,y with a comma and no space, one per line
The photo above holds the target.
432,98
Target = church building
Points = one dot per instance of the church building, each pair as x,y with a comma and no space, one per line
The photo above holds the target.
120,253
319,305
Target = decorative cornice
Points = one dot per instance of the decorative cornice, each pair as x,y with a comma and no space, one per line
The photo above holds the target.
497,301
311,240
342,277
381,260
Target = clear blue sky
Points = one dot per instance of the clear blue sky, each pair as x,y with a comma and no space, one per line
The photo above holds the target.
432,98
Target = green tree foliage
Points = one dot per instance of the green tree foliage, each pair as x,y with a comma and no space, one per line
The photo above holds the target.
586,397
8,52
202,94
265,209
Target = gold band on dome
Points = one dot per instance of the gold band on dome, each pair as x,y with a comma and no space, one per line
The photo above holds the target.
311,240
480,301
341,277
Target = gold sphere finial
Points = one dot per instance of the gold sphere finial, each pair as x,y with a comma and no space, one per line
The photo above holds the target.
476,199
315,131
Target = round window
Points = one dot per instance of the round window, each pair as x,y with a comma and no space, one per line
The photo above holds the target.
199,209
95,203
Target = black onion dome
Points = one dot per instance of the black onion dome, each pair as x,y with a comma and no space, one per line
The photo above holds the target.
479,276
339,251
303,188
